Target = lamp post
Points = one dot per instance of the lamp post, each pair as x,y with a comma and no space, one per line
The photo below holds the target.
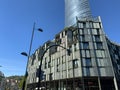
68,53
28,55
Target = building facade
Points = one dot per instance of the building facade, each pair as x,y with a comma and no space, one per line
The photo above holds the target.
93,63
76,8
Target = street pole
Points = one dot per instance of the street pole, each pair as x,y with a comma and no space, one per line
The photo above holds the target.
68,52
28,55
26,73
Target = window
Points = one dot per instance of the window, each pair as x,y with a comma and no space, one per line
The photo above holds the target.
82,37
45,66
75,63
84,25
88,62
75,36
118,61
101,62
50,76
44,77
100,53
75,47
99,45
57,69
85,45
62,34
81,31
33,59
98,31
63,59
49,64
80,25
85,53
70,48
97,38
119,72
58,61
96,25
87,71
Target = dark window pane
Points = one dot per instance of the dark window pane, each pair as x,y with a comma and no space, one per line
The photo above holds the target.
88,62
85,45
97,38
99,45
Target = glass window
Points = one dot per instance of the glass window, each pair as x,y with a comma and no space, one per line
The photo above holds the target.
63,59
57,69
102,71
90,25
85,53
88,62
75,63
100,62
99,45
98,31
49,64
87,71
84,25
58,61
75,47
100,53
50,76
85,45
45,65
97,38
80,25
75,35
82,38
118,61
81,31
44,77
96,25
33,59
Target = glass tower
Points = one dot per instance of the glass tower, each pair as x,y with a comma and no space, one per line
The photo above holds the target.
76,8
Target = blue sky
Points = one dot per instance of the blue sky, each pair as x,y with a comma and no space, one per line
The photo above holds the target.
16,23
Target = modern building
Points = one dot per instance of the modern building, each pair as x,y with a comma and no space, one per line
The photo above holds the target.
76,8
92,64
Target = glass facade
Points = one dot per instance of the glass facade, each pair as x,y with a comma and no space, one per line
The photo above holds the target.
76,8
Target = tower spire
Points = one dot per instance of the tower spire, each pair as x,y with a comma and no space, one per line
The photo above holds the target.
76,8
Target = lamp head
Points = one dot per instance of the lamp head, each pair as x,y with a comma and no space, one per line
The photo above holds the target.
24,54
39,29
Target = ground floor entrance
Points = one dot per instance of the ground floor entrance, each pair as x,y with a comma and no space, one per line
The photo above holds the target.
94,83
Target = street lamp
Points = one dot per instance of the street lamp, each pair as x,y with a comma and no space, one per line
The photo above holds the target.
28,55
39,74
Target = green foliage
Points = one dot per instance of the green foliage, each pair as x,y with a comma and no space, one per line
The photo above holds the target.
20,80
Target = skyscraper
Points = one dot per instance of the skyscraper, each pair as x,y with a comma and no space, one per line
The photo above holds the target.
76,8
